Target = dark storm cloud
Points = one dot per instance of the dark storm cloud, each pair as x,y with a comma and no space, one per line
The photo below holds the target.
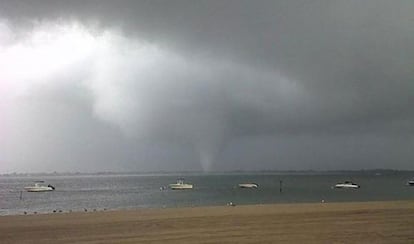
287,84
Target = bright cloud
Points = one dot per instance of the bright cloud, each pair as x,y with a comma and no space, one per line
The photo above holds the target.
139,87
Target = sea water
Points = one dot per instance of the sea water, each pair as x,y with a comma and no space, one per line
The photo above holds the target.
130,191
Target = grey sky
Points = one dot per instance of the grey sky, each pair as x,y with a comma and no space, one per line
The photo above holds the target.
213,85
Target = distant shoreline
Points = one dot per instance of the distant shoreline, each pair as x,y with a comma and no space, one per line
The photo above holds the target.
173,173
366,222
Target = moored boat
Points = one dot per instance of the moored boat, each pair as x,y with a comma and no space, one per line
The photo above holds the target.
248,185
38,187
410,182
347,184
180,185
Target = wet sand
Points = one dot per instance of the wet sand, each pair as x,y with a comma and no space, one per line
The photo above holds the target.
366,222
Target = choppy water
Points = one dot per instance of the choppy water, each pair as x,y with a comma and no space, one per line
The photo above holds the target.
100,192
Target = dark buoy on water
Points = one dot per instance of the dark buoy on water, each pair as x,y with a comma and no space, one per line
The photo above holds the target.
280,186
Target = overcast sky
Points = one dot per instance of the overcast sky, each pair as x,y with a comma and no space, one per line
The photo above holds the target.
206,85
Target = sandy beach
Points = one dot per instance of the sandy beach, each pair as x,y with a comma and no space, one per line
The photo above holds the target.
364,222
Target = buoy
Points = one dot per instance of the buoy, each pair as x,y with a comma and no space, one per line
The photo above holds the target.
231,204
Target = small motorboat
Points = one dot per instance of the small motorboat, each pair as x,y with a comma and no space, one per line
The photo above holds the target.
347,184
410,182
38,187
248,185
180,185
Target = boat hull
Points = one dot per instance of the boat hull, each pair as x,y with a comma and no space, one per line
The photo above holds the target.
181,186
248,185
38,189
347,186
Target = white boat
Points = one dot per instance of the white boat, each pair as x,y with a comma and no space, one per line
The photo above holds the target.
180,185
347,184
410,182
38,187
248,185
